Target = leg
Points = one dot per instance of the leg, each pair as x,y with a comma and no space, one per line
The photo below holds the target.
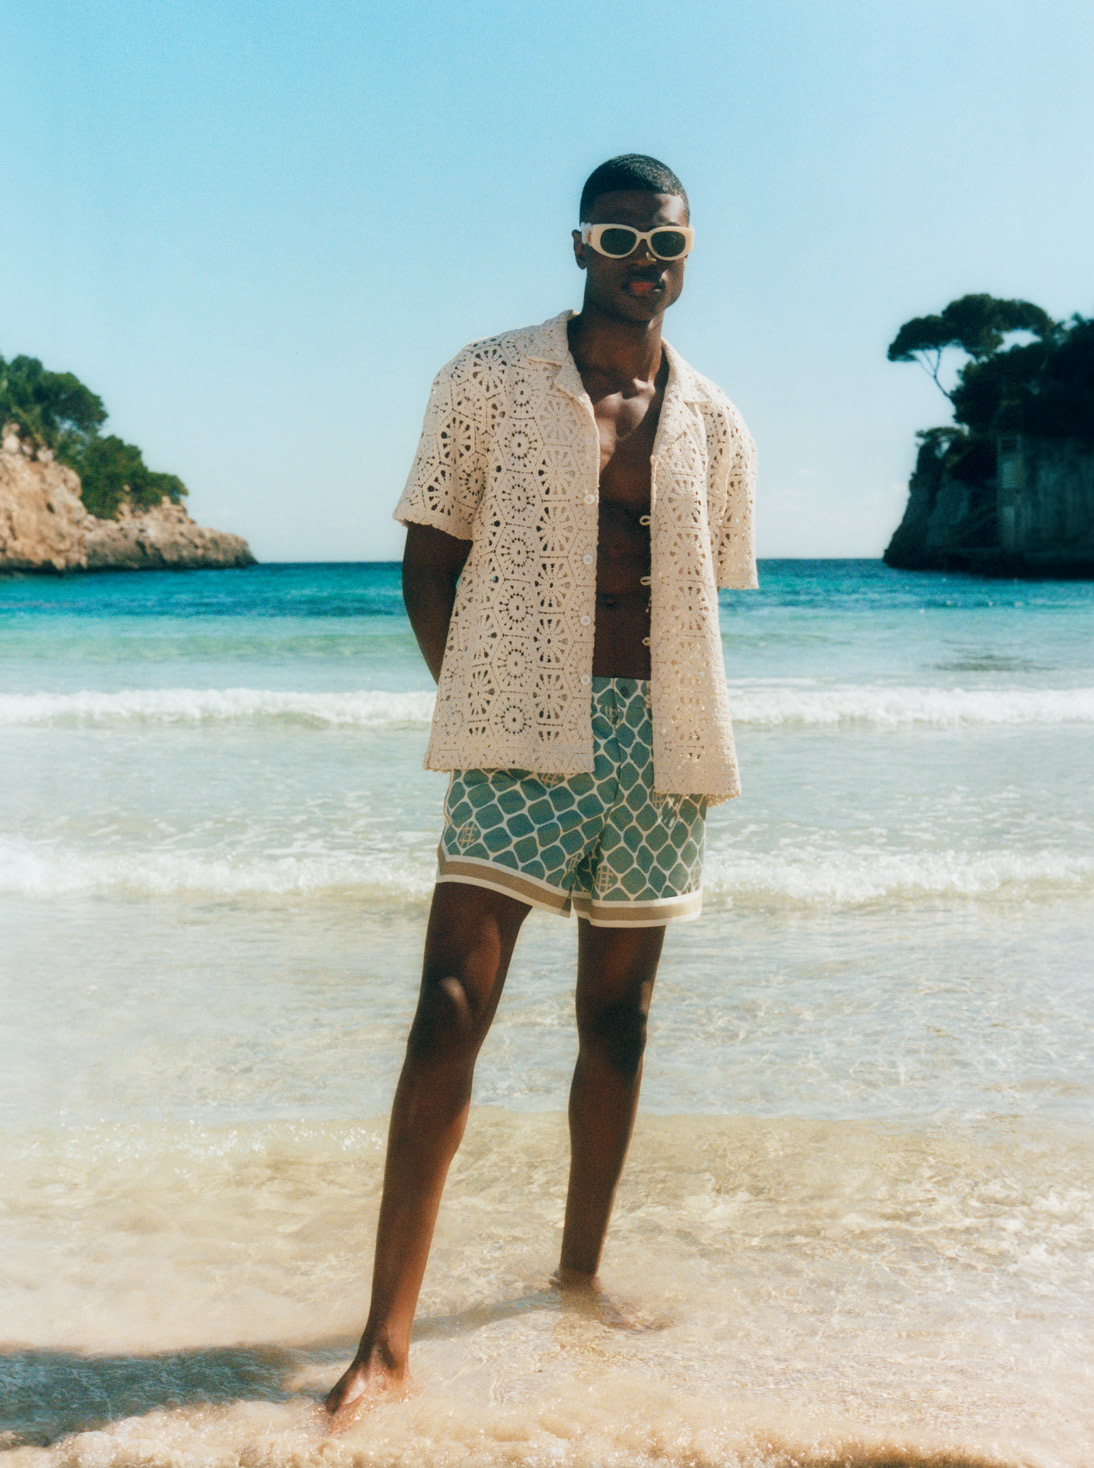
615,974
469,942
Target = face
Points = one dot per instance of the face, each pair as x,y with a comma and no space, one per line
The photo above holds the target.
639,287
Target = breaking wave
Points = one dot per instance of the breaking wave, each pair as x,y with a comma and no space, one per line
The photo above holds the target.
899,707
827,880
761,707
44,871
367,710
842,879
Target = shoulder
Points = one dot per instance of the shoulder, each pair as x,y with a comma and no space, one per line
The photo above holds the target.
489,361
703,394
724,421
713,403
730,421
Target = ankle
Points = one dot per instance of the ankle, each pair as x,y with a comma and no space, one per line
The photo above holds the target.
576,1281
377,1353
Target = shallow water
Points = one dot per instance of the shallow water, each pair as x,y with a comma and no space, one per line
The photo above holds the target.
858,1216
868,1279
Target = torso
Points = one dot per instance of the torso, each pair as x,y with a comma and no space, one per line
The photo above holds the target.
626,419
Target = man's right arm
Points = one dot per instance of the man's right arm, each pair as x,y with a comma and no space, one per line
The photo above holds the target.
432,562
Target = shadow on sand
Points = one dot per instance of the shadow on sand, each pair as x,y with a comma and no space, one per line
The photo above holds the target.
48,1394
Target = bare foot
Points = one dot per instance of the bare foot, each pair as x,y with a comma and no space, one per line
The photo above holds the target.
585,1294
366,1381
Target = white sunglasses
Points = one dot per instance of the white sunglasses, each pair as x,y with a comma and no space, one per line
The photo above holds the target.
666,241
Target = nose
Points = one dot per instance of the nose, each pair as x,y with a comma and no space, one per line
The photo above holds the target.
643,255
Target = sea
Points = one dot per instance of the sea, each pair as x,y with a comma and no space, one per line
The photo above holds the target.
857,1221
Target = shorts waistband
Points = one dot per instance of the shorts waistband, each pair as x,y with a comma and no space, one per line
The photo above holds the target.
622,687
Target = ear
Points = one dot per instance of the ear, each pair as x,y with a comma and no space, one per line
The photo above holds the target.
580,249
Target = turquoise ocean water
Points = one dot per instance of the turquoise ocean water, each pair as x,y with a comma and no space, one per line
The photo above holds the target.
860,1202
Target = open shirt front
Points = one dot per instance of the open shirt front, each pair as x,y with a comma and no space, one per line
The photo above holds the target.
509,459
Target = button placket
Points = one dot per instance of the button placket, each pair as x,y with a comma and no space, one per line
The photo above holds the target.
550,373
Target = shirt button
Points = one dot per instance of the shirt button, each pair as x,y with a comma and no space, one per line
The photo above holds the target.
585,621
585,678
588,560
590,499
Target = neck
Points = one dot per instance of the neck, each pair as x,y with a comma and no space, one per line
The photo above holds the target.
628,349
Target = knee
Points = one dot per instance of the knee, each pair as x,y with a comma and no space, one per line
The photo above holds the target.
617,1035
446,1028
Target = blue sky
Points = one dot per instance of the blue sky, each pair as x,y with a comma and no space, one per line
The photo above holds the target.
257,230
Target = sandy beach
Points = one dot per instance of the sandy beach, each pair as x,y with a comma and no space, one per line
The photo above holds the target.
858,1215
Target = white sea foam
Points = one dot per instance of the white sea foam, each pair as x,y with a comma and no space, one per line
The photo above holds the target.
375,709
845,879
957,1260
885,707
759,706
46,871
828,879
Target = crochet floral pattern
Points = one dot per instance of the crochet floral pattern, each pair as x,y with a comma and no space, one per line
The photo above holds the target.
509,459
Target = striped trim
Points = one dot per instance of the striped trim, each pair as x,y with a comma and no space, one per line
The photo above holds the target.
653,914
478,873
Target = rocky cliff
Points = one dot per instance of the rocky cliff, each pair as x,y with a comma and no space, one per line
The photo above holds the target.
45,527
1033,516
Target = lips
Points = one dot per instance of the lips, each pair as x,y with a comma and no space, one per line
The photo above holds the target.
643,285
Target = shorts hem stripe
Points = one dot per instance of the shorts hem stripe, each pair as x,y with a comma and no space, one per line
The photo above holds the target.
478,873
650,914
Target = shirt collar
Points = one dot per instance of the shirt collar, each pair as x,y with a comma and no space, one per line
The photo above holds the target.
549,343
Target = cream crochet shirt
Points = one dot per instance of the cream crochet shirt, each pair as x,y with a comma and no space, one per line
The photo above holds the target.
509,459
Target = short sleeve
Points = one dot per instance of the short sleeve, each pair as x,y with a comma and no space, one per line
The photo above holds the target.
449,472
735,549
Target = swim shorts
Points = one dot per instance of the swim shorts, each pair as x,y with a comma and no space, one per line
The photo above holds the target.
603,845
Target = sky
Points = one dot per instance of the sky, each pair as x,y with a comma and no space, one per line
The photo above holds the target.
258,229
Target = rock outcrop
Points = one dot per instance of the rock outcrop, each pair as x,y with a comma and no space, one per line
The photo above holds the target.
1033,518
44,525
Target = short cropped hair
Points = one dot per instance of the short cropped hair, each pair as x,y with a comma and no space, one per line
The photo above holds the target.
630,171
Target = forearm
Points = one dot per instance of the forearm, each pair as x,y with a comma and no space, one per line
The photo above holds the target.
429,606
432,563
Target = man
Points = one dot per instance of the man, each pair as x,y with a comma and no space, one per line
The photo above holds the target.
578,495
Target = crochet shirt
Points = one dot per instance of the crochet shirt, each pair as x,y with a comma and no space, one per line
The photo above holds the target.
509,459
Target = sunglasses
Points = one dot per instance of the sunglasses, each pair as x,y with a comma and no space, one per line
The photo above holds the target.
617,241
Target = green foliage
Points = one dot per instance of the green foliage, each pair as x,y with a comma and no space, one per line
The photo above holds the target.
47,405
965,456
56,409
1044,387
110,467
1059,400
934,445
977,324
994,386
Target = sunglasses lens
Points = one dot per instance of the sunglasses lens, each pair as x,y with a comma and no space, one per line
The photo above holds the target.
618,241
668,244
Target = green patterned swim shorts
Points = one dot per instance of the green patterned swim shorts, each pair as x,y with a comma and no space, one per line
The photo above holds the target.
602,844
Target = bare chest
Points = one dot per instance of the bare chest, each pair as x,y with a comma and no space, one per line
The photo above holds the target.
626,429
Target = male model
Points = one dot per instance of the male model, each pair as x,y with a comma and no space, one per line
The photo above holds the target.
578,496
